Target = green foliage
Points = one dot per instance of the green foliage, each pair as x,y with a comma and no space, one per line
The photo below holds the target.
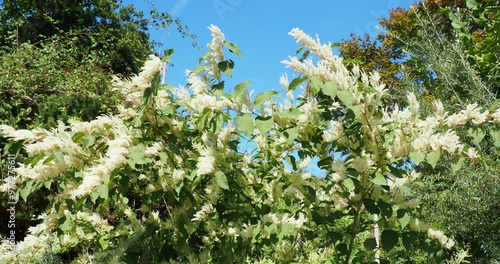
113,33
198,175
50,83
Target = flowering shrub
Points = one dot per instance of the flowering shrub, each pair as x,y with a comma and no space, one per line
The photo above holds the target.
196,174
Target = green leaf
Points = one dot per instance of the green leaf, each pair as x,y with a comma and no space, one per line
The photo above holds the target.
218,88
255,234
471,4
379,179
370,206
389,239
456,166
102,190
433,158
65,223
295,82
103,242
458,24
292,113
261,98
226,67
166,55
325,163
89,141
232,48
59,157
77,136
239,90
495,135
477,135
291,161
409,239
26,190
417,157
385,208
346,97
244,123
403,218
330,89
136,154
291,134
370,244
221,180
316,81
356,109
349,184
270,228
285,230
264,124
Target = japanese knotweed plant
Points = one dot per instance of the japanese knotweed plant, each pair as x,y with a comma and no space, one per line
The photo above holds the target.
199,174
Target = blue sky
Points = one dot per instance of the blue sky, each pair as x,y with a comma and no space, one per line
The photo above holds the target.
260,29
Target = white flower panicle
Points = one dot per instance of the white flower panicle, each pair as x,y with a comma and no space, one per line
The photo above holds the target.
133,89
439,236
202,214
284,81
206,161
198,85
225,135
200,102
308,112
23,134
285,219
153,150
116,156
333,132
305,163
217,42
324,51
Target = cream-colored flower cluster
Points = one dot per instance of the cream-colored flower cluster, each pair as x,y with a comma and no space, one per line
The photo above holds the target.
119,139
285,219
133,89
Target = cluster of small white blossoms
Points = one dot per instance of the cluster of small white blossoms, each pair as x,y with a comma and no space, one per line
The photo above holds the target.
334,131
202,214
407,137
206,162
330,67
39,240
133,89
23,134
217,54
441,237
285,219
339,171
119,139
226,135
201,99
40,141
426,135
308,113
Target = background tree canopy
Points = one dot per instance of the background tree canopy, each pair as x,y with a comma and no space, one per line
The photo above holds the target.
115,33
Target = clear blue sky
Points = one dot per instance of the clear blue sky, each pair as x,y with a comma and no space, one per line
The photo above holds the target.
260,29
